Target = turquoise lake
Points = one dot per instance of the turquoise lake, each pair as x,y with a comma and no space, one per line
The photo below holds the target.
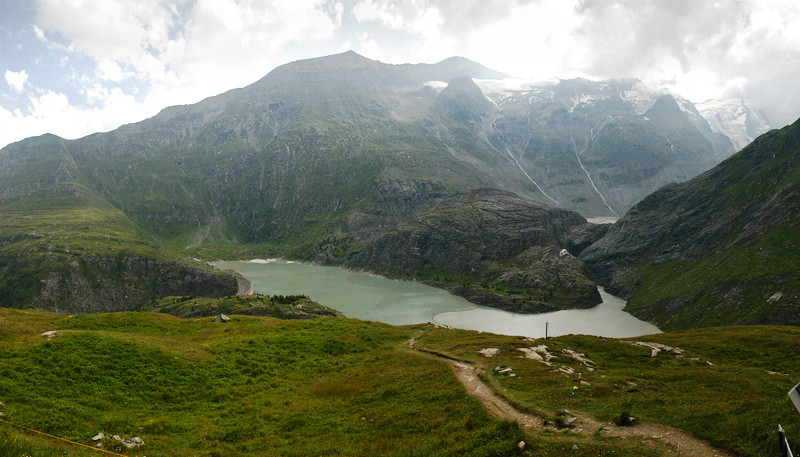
370,297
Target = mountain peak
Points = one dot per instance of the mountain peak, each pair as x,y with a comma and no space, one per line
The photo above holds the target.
463,100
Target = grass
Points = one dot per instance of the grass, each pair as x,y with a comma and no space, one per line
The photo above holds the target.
259,386
67,232
735,403
758,271
278,306
254,386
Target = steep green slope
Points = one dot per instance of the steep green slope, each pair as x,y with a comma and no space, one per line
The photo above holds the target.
64,248
723,248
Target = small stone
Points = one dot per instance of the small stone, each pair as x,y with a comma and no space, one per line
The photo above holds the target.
98,437
521,445
100,445
2,413
574,447
49,335
569,421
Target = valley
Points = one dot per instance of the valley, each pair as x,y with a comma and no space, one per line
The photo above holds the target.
435,219
414,172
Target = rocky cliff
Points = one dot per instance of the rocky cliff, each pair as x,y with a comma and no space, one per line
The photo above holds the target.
491,247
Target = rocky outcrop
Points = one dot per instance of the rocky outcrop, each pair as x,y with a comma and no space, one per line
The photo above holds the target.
279,306
491,247
103,284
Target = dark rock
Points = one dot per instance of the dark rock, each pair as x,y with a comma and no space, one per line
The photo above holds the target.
491,247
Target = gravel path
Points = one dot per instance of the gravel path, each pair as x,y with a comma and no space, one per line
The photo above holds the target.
681,442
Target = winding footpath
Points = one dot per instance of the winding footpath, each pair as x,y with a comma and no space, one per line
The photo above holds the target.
680,441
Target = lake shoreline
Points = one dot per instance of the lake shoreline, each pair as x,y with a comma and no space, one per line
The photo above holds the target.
372,297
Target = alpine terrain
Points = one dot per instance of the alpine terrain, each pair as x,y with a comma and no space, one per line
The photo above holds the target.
347,160
720,249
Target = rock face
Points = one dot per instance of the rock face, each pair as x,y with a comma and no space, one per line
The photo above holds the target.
491,247
103,284
719,249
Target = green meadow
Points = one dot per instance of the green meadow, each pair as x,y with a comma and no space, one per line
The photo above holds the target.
331,386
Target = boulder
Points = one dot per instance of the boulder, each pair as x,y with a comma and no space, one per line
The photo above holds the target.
220,318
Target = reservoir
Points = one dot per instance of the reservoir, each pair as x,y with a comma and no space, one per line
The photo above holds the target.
369,297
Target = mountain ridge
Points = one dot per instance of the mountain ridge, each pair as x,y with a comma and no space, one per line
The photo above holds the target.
322,157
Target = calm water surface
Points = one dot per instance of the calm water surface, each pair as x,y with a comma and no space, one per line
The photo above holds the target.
369,297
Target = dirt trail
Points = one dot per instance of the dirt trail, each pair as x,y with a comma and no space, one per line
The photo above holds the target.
682,442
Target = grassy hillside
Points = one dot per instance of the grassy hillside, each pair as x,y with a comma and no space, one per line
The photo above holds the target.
729,387
721,249
278,306
64,247
335,386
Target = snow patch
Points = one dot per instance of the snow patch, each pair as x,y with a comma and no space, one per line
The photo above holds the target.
585,99
641,97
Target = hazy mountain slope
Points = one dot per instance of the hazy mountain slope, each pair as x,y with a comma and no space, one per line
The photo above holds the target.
723,248
64,248
491,247
599,147
275,159
734,119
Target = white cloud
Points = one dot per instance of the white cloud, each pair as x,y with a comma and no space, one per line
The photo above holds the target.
167,52
52,112
16,79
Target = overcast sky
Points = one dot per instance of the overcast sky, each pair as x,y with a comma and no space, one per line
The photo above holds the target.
73,67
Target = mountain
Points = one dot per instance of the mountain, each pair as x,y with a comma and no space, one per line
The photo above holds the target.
734,119
599,147
322,157
722,248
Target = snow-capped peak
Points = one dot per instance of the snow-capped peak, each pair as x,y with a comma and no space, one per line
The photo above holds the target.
733,118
